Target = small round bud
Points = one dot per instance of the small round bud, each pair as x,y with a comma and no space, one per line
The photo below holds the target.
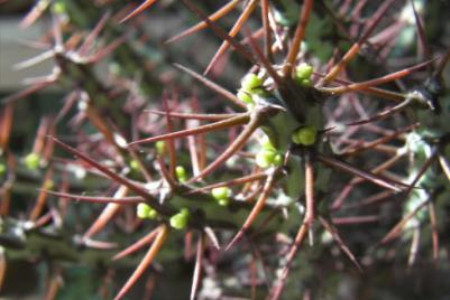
145,211
134,165
306,82
250,81
305,136
160,147
266,143
59,8
278,160
181,174
265,158
179,221
142,210
303,71
32,161
221,193
2,169
49,184
223,202
245,97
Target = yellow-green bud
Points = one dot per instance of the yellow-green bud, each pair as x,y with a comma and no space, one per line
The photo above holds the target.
221,193
49,184
2,169
32,161
245,97
223,202
305,136
59,8
250,81
303,71
265,158
181,174
306,82
145,211
134,165
160,147
266,143
180,220
278,160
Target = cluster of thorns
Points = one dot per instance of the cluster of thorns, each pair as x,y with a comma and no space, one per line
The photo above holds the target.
274,109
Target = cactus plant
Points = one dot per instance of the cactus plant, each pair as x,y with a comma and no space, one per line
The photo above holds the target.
320,129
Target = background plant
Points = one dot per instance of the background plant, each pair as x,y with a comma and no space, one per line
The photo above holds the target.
314,147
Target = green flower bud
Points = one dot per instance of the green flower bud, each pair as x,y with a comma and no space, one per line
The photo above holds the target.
306,82
221,193
142,210
305,136
134,165
49,184
265,158
160,147
245,97
181,174
303,71
32,161
223,202
145,211
250,81
179,221
59,8
2,169
278,160
266,143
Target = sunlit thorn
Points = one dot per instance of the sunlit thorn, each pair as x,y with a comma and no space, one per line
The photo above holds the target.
257,208
87,44
219,31
198,266
234,121
445,166
370,27
377,81
107,214
212,237
34,60
28,91
248,10
131,200
335,234
299,34
146,261
138,10
423,45
147,239
213,86
434,230
338,164
117,178
223,11
236,145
